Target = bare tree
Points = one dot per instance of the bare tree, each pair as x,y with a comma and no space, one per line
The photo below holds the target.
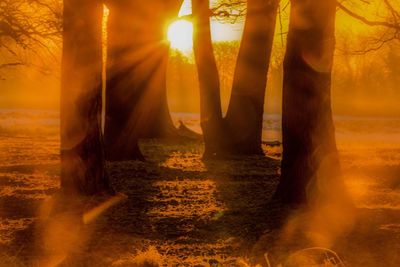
212,123
244,117
310,165
136,100
387,19
241,130
28,26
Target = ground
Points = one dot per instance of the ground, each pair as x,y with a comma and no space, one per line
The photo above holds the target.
178,209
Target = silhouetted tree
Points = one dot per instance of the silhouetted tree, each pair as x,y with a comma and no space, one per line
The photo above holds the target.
310,166
241,131
82,157
136,100
244,117
212,123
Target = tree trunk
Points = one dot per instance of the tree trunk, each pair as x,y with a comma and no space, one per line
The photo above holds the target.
244,117
310,166
136,97
82,157
210,100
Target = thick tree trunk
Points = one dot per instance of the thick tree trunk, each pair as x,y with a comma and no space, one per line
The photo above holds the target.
82,157
210,100
310,166
244,117
136,100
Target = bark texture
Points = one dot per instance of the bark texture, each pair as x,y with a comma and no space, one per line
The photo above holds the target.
310,166
244,117
212,123
82,156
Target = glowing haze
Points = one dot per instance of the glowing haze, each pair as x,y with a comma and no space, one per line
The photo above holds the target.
180,35
180,31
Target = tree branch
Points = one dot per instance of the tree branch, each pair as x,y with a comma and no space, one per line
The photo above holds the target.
367,21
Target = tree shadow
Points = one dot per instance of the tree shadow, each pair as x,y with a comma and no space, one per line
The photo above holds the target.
175,202
176,198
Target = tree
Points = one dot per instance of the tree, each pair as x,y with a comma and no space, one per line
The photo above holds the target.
240,131
136,100
310,165
386,14
244,117
27,29
82,156
212,123
309,143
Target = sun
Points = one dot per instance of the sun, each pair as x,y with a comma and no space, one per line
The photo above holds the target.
180,35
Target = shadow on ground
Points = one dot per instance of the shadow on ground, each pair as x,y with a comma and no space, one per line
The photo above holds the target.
189,212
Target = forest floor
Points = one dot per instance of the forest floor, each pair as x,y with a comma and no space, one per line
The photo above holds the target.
180,210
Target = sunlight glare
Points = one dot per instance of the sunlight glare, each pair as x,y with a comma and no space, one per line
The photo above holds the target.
180,35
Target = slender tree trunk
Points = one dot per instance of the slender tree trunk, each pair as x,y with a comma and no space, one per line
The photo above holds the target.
136,97
210,100
310,166
82,157
246,107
